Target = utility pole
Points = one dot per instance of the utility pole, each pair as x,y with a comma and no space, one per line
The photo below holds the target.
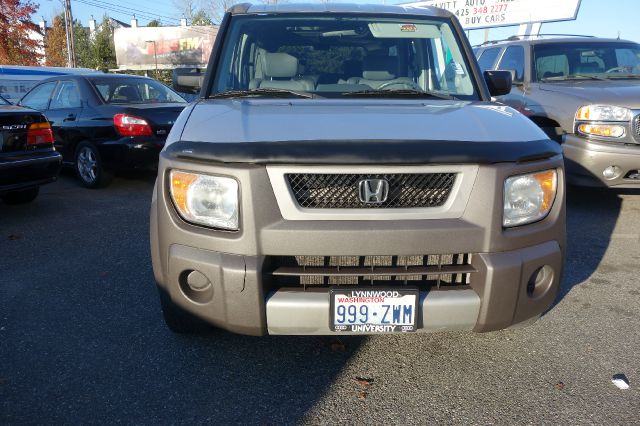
155,55
71,43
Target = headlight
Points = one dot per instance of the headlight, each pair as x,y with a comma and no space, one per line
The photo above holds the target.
204,199
603,113
529,198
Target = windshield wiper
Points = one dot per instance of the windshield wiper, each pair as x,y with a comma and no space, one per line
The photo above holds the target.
280,93
622,76
399,93
574,77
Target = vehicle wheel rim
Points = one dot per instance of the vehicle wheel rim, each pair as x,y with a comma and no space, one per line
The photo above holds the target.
87,164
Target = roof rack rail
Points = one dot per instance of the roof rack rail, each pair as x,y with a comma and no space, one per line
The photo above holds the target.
522,37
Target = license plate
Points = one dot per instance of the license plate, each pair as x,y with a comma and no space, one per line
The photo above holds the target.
373,311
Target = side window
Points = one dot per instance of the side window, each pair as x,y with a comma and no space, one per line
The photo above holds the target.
67,96
39,97
513,59
488,58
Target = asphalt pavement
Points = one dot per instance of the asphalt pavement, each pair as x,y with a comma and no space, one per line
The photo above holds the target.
82,338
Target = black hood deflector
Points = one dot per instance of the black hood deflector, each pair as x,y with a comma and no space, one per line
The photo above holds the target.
364,152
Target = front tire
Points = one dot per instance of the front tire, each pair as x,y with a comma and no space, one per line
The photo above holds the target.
177,319
90,167
21,197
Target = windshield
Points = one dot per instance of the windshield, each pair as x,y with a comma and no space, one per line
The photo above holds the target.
587,60
134,91
3,101
338,55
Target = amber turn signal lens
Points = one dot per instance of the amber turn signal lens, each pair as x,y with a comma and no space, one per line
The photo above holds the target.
548,181
602,130
180,183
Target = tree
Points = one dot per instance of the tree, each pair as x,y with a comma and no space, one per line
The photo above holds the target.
217,8
17,46
185,8
84,47
154,23
55,44
201,18
104,51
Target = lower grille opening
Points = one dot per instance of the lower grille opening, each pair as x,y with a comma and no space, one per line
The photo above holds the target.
422,271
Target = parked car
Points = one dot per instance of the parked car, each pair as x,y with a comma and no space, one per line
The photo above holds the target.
103,123
17,80
585,94
27,156
345,172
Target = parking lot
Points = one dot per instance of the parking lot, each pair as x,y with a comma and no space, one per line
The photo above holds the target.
82,338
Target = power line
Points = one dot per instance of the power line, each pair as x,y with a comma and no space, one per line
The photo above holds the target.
125,10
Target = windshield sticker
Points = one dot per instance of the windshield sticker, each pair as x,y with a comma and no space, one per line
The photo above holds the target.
408,28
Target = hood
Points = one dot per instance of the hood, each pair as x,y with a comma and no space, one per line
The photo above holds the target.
355,132
624,93
277,120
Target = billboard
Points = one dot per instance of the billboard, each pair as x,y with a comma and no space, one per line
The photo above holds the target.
136,48
474,14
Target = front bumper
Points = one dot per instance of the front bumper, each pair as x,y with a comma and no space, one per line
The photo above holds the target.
239,301
586,161
243,300
22,171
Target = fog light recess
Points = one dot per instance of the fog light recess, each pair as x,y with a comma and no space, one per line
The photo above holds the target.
612,172
540,282
196,286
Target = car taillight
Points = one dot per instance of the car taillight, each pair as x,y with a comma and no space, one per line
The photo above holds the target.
39,134
128,125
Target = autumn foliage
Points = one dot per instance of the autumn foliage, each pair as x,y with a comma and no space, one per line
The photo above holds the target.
17,47
56,44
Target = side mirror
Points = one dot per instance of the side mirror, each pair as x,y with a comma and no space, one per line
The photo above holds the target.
187,80
499,82
514,78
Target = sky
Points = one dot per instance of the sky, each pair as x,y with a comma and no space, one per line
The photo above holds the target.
596,17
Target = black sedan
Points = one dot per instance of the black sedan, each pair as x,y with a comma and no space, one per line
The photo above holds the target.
27,156
104,123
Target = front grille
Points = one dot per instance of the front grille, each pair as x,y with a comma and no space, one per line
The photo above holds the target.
341,191
325,271
636,128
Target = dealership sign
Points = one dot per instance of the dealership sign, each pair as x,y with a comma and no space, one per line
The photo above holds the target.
138,48
475,14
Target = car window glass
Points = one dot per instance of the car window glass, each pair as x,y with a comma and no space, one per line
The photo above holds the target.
67,95
337,55
513,59
628,58
587,58
552,66
134,90
38,98
488,58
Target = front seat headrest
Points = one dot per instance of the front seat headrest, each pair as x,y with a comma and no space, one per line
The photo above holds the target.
378,67
279,65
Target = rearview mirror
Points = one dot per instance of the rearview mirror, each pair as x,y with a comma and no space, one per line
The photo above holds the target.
187,80
499,82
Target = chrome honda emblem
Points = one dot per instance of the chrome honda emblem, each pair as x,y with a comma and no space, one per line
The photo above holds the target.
373,191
